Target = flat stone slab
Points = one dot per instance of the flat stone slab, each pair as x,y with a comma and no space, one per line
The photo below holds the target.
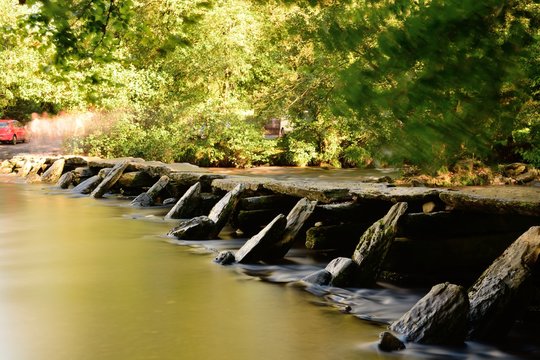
394,193
323,192
523,200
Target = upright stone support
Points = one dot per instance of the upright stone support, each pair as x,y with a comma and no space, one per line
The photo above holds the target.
6,167
257,247
501,291
148,198
208,227
27,167
33,175
65,180
109,180
374,245
186,206
222,211
438,318
54,172
296,219
88,185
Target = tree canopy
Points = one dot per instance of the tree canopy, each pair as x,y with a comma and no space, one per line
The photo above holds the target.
424,82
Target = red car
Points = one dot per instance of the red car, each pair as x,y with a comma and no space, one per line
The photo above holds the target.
12,131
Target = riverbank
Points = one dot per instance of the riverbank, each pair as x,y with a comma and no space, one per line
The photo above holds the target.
443,234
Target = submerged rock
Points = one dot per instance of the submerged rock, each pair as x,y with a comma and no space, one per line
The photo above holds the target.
170,201
225,258
321,277
389,342
439,318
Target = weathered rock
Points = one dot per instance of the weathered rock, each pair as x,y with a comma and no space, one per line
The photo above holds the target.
258,247
321,277
6,167
33,175
251,183
54,172
527,177
389,342
500,293
225,258
198,228
187,205
222,211
65,180
514,169
432,206
149,197
374,245
135,179
170,201
109,180
104,172
83,172
33,178
26,168
75,161
99,163
343,271
523,200
88,185
439,318
184,180
296,221
312,190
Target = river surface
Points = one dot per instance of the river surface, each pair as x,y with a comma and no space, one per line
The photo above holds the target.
95,279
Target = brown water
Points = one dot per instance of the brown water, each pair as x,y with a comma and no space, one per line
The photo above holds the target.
80,280
87,279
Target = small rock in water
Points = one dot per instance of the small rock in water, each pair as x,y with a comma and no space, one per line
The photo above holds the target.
389,342
225,258
169,201
321,277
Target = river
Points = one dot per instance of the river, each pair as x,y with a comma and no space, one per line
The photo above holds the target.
95,279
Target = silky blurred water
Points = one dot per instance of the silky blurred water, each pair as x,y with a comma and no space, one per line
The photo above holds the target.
94,279
80,280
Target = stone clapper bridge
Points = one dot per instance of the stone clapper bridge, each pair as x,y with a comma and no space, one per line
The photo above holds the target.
478,247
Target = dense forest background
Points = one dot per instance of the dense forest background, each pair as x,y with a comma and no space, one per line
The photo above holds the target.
362,83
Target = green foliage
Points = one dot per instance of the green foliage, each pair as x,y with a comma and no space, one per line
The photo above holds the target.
356,156
416,82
